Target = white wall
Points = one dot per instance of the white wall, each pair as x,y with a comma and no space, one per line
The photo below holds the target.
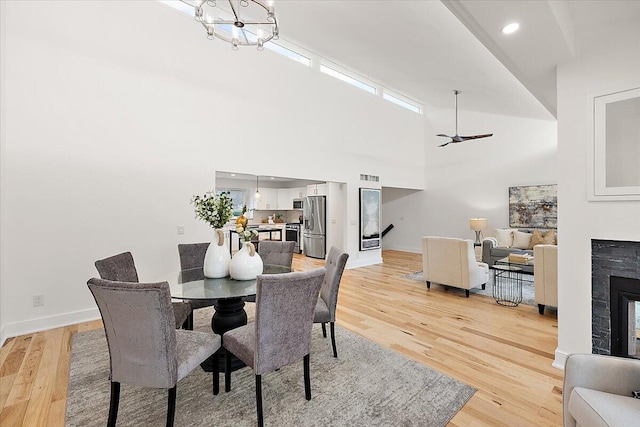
470,179
597,73
111,128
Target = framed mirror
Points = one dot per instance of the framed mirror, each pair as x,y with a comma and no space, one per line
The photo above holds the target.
615,146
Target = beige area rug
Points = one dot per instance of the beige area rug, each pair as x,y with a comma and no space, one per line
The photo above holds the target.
366,385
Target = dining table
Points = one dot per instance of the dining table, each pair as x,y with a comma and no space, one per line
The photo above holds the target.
227,296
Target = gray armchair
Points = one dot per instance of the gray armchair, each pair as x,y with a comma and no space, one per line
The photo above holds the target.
145,349
281,333
192,256
121,268
325,310
598,391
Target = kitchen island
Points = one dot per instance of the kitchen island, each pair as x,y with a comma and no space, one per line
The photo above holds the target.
263,230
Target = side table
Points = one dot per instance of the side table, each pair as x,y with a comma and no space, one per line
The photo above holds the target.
507,285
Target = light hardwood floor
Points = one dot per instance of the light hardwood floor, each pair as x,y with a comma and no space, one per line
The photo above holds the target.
506,353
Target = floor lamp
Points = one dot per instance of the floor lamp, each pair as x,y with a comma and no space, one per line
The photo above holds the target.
477,225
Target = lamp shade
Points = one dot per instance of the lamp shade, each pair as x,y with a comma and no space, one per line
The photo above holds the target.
477,224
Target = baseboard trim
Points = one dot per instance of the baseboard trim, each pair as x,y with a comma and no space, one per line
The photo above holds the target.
45,323
560,359
363,263
403,249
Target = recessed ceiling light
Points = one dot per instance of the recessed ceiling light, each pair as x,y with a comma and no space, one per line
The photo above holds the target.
272,177
233,174
510,28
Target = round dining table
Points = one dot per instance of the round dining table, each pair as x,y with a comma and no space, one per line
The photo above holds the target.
227,296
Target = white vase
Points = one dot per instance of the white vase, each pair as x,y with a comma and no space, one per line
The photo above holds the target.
217,258
246,264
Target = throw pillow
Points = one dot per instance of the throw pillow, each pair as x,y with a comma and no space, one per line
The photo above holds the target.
549,238
521,240
504,236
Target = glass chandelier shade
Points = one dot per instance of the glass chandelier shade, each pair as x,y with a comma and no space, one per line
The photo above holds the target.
238,22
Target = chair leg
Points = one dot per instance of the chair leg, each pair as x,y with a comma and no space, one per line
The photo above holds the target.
227,371
541,308
259,400
466,292
324,330
113,404
333,338
216,373
171,408
307,379
188,324
428,284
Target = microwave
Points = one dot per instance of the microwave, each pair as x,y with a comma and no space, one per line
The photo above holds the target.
298,203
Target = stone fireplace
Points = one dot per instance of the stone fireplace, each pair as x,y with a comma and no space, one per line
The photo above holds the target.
615,291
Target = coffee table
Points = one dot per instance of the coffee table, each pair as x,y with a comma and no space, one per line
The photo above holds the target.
505,261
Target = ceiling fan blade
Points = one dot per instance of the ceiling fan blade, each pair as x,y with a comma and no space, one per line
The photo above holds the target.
486,135
457,138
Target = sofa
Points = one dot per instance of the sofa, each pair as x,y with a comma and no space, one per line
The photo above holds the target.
598,391
452,262
500,242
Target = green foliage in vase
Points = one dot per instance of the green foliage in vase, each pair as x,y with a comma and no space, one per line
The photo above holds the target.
216,209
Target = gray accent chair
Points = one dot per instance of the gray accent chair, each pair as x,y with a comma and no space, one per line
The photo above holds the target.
192,256
328,300
145,349
121,268
598,391
281,333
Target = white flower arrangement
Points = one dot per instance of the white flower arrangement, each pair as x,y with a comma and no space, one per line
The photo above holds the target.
245,234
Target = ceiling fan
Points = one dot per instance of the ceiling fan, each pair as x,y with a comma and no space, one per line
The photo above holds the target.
457,138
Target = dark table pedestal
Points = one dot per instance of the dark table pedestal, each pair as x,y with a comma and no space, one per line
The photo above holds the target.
229,315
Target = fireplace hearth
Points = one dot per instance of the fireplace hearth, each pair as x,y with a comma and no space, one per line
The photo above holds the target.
613,260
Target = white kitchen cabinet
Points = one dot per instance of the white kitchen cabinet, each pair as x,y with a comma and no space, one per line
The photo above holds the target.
285,198
299,192
268,199
317,190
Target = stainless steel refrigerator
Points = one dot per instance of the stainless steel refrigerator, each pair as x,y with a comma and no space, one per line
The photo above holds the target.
314,226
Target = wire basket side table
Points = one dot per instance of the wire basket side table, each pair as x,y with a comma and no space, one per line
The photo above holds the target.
507,285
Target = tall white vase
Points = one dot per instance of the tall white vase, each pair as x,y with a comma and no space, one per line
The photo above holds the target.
246,264
217,258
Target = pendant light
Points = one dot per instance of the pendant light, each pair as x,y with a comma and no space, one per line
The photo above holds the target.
257,195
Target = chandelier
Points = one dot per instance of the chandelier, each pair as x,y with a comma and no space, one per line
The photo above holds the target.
239,22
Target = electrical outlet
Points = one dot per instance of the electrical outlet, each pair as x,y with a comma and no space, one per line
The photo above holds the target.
38,300
181,229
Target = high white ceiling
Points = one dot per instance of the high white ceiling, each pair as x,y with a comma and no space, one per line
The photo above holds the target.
425,49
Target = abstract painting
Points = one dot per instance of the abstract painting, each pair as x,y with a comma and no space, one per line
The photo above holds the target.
533,206
369,219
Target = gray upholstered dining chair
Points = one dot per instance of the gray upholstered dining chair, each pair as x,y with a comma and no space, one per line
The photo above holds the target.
281,332
121,268
328,300
275,253
192,256
145,349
